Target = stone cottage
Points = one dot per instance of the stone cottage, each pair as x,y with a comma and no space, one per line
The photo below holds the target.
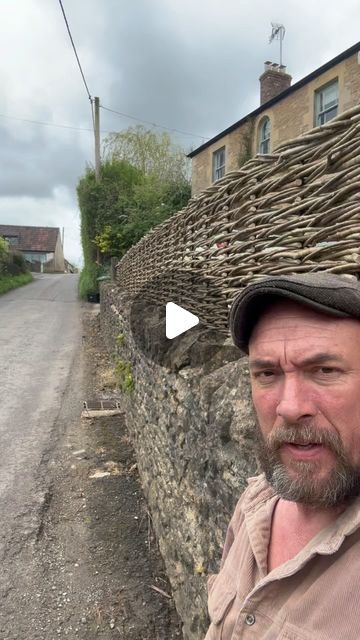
285,112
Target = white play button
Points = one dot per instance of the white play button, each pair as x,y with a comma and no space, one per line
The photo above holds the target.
178,320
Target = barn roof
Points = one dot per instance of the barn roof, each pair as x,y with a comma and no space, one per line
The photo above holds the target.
32,238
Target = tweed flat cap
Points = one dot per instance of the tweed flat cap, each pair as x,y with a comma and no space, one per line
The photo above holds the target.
335,295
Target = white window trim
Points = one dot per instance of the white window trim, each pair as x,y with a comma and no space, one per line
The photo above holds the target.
264,142
218,171
320,114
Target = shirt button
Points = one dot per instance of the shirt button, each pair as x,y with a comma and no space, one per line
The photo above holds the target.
250,619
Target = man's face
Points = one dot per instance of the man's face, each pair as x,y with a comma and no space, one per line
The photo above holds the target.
305,378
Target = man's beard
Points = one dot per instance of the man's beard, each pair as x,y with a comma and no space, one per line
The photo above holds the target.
304,481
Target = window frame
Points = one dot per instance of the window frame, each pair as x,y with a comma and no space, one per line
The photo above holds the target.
320,110
264,141
218,171
12,240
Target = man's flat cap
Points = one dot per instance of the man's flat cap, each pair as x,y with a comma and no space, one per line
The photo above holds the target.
335,295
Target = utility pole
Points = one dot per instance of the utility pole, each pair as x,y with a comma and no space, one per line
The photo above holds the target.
97,138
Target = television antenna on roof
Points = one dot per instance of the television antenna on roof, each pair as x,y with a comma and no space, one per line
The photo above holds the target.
277,33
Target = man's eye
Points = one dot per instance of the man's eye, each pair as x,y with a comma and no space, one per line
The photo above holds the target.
265,375
326,372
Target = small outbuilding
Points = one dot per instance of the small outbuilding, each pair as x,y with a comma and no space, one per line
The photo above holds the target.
42,247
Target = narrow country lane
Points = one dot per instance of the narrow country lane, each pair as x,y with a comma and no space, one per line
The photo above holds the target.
78,555
40,337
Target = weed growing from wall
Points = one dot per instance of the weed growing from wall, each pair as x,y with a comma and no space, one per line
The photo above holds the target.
124,375
120,340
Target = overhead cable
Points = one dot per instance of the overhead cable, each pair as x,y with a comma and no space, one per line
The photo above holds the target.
76,55
48,124
153,124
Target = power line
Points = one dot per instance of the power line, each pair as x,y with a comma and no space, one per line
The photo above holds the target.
48,124
153,124
76,55
68,126
118,113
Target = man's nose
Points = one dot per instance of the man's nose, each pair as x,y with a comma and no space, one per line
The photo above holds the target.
295,402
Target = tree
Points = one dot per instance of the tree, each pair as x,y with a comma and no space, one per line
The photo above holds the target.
165,187
152,153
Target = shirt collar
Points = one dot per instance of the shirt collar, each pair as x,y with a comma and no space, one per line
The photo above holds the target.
260,495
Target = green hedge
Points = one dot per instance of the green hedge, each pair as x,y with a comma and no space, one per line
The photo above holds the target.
87,281
12,262
118,211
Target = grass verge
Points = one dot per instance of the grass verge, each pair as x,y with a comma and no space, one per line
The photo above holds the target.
12,282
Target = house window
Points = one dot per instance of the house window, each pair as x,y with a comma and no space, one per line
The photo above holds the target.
218,164
264,137
326,103
12,240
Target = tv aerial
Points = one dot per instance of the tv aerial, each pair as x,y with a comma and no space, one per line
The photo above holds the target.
277,33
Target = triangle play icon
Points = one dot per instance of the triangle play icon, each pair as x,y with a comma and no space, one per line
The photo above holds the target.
178,320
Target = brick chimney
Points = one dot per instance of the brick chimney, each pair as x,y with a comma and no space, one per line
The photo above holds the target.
273,81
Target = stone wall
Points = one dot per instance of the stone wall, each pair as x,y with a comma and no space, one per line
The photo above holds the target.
192,428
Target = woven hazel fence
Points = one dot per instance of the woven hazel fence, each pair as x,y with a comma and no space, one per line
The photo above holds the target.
292,211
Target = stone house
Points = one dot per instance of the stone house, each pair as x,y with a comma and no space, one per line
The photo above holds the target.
42,247
285,112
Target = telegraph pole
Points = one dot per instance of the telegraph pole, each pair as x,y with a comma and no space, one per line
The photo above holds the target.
97,138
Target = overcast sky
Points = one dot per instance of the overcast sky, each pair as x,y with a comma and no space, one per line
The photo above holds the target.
184,64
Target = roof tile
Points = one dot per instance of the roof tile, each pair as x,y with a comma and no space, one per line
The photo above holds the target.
32,238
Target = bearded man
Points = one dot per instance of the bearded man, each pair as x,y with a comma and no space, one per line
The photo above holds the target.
291,560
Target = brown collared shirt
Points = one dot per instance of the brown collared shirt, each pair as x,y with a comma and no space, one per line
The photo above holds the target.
313,596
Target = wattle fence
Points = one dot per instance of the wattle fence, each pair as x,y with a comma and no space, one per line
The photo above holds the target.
294,210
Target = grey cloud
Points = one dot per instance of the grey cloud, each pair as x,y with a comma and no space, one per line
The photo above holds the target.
199,75
207,81
35,166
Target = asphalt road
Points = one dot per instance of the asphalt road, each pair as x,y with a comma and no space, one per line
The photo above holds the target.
40,338
77,555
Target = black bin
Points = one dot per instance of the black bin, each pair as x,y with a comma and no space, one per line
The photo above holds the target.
93,297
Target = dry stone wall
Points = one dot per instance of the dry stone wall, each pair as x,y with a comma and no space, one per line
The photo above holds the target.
193,431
